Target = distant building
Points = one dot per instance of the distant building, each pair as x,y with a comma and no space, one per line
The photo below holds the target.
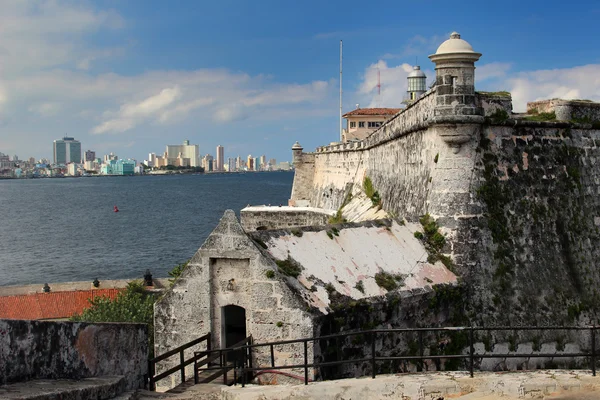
272,164
417,84
5,163
239,163
231,164
207,163
118,167
220,158
361,122
90,155
67,150
109,157
262,163
185,150
72,169
15,158
284,166
250,163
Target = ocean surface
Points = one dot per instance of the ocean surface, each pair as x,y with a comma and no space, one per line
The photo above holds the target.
60,230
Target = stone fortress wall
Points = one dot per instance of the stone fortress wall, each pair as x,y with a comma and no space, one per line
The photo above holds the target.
518,197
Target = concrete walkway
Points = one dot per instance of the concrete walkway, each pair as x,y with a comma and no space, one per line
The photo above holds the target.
555,385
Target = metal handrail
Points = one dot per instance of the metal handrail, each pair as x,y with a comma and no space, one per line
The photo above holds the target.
373,333
152,378
222,366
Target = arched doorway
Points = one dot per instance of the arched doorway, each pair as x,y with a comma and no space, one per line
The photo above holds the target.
233,325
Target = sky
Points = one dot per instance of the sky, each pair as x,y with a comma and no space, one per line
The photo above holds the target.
131,76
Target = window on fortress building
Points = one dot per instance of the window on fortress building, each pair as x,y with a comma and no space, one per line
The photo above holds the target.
361,124
374,124
353,124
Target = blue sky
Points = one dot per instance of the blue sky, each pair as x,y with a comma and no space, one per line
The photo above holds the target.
131,76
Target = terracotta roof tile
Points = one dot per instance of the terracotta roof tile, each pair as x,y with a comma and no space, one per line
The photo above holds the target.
53,305
373,111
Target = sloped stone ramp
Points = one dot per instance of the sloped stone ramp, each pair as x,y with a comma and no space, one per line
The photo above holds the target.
99,388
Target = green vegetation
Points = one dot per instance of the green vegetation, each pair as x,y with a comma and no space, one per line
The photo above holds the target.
176,272
329,234
371,192
502,93
545,116
436,158
432,235
330,288
388,281
337,218
134,304
499,116
335,231
270,274
360,287
289,267
297,232
419,235
279,324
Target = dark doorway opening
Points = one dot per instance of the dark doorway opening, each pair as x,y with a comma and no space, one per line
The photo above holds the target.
233,328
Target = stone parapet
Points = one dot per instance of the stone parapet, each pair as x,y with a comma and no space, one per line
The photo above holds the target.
267,218
72,350
567,110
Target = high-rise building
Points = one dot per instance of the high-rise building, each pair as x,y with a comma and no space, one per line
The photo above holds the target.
67,150
109,157
185,150
207,163
262,163
220,158
239,163
231,164
90,155
250,163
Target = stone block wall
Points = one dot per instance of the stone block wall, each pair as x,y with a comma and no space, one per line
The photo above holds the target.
72,350
192,307
263,218
568,110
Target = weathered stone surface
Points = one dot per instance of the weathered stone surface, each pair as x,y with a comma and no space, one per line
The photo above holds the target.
72,350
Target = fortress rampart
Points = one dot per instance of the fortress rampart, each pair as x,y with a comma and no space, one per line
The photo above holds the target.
517,195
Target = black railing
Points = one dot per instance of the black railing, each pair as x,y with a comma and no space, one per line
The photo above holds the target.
152,378
246,366
224,360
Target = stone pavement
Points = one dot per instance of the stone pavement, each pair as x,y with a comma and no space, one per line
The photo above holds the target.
555,385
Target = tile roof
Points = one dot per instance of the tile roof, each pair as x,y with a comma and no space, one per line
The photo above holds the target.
373,111
53,305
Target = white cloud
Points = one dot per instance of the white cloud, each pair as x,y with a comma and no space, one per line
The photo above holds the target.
47,109
581,82
491,71
393,85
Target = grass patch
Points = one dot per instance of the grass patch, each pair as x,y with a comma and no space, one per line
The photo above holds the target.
371,192
388,281
270,274
499,116
502,93
337,218
289,267
541,117
297,232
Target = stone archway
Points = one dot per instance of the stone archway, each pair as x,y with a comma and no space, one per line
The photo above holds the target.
233,325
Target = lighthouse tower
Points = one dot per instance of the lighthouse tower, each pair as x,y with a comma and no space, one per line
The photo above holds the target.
417,84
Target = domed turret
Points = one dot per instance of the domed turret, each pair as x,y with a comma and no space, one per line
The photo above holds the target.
417,84
297,153
455,77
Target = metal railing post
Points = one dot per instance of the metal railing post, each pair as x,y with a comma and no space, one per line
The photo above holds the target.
272,357
306,361
373,360
234,372
244,368
225,368
151,372
421,350
182,361
471,351
195,369
593,350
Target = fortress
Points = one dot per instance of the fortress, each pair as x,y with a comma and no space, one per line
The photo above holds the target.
481,216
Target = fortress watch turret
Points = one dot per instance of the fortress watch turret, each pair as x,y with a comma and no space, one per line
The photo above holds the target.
417,84
455,77
456,114
297,153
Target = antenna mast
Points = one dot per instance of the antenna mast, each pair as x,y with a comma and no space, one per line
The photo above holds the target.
341,129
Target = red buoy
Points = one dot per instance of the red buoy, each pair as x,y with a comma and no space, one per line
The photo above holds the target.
116,209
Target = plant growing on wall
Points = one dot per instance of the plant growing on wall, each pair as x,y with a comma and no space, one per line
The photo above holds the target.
134,304
371,192
176,272
388,281
289,267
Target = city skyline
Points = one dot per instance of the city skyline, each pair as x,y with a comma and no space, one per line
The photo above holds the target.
257,88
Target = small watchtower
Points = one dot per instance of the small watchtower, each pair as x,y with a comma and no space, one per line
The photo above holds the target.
297,153
455,78
417,84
